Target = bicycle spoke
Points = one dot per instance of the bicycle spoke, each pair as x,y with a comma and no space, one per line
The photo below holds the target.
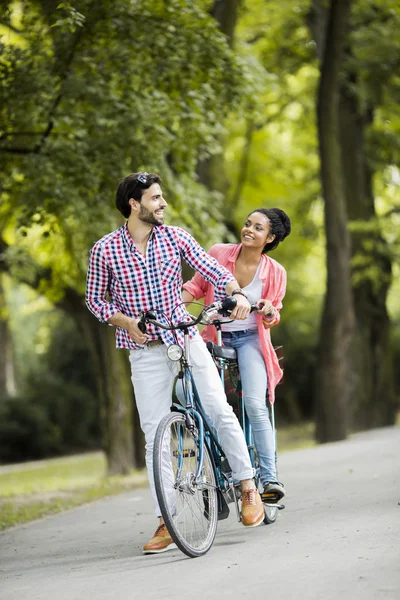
190,506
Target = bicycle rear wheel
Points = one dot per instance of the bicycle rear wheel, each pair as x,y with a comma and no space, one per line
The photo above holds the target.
270,511
189,507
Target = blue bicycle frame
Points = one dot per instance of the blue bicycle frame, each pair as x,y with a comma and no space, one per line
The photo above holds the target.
206,433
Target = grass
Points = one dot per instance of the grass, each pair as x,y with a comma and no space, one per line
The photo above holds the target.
33,490
294,437
29,491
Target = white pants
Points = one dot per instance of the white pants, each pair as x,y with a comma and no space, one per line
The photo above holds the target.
153,377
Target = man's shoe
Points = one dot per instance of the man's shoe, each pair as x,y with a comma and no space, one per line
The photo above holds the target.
252,508
275,490
160,542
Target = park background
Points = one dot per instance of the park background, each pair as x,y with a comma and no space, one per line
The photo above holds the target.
237,104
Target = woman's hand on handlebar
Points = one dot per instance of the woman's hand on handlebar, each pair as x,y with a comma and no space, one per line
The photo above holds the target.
267,308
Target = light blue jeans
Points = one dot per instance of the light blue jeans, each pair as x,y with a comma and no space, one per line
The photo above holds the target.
253,375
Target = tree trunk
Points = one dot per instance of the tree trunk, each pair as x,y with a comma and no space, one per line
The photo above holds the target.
333,381
374,402
225,12
7,366
117,414
211,172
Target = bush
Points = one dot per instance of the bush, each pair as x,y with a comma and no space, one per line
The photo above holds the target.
57,411
26,432
70,406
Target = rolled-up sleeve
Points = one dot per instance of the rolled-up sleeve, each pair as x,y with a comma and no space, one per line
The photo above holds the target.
280,286
205,266
97,284
197,286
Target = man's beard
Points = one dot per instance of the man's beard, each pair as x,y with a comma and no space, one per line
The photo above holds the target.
148,217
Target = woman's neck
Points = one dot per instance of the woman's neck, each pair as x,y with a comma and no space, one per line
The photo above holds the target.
249,256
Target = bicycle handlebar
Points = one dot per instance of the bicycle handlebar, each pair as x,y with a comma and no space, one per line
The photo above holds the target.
224,308
204,317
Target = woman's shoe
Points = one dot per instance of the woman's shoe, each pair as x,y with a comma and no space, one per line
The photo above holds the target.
275,489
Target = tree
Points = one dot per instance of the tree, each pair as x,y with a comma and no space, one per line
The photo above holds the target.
364,91
276,35
7,366
211,169
333,378
109,102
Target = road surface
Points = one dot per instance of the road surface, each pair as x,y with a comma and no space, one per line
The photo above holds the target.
338,538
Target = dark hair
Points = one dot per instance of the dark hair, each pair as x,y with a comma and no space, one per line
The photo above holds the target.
280,225
132,187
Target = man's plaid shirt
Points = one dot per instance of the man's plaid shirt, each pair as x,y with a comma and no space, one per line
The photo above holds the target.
136,283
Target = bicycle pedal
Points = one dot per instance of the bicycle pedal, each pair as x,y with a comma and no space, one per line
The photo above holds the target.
270,497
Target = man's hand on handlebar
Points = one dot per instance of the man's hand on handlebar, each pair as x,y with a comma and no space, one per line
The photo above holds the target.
136,334
242,309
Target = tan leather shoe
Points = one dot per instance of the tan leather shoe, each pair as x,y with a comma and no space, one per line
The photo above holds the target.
252,508
160,542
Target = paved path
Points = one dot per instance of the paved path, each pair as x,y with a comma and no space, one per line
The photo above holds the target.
338,539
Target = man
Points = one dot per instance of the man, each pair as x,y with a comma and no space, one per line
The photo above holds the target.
139,267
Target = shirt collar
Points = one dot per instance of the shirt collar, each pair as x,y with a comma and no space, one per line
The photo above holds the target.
264,260
126,236
159,229
235,253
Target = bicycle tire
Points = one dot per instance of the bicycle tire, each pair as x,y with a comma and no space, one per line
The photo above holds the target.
189,509
270,512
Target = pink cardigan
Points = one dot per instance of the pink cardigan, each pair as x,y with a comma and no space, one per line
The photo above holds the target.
273,277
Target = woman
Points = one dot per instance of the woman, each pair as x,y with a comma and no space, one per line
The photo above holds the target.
263,281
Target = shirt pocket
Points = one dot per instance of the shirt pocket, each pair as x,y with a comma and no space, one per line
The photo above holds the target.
171,271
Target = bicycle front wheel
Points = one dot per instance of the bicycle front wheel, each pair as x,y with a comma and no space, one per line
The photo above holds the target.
189,505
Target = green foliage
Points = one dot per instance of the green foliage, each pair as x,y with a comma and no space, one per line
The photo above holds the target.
375,43
94,94
92,91
56,411
25,431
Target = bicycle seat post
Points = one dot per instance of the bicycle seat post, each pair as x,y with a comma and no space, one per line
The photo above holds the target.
219,333
217,325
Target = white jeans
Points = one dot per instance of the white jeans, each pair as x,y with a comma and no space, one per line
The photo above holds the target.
153,377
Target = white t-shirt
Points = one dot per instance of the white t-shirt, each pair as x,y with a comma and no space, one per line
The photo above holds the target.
253,291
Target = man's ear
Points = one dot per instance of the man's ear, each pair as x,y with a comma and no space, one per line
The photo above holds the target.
134,204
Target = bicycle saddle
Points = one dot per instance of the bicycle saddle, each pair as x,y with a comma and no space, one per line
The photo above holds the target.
222,351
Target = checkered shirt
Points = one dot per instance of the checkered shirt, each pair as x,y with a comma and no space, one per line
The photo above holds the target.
135,283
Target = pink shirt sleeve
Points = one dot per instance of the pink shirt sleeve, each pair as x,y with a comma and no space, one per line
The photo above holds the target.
280,291
198,286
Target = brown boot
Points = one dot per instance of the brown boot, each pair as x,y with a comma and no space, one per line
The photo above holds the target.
252,508
160,542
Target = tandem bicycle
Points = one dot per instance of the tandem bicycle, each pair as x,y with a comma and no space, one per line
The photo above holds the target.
193,479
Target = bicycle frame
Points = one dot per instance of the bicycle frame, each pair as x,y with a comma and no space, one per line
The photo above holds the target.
194,409
244,421
195,416
222,365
